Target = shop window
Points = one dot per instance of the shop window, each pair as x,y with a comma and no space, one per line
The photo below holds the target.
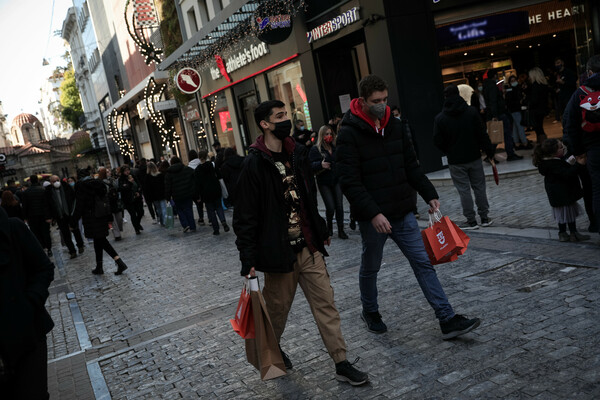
220,118
286,84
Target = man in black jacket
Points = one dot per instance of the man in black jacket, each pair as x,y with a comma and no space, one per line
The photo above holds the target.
37,213
459,133
25,275
61,199
280,232
379,172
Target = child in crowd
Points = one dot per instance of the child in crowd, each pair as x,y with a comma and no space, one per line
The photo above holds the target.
562,186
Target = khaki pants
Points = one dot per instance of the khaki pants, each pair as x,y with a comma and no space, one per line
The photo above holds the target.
310,272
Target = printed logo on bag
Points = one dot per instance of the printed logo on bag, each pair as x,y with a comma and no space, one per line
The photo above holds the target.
440,237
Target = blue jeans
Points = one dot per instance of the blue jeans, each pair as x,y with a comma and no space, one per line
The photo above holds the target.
519,135
161,210
406,234
185,213
212,210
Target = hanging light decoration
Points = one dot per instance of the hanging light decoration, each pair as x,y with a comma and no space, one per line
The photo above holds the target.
153,93
116,121
144,20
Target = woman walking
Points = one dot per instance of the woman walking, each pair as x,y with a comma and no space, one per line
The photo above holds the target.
92,207
114,199
538,102
132,198
11,205
155,191
322,158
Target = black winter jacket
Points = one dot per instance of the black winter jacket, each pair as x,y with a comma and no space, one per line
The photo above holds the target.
513,96
317,155
580,140
180,183
69,197
207,182
130,191
459,132
561,182
379,173
154,190
260,219
494,102
35,203
538,99
230,172
25,275
87,191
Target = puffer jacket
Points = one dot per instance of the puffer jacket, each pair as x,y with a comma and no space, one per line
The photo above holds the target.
35,203
180,183
87,190
379,171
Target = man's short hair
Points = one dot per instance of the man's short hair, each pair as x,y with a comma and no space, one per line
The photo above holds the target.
192,154
175,160
265,110
370,84
216,143
203,154
34,179
593,63
450,90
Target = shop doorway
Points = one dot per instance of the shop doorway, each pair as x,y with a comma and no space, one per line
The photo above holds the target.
247,101
340,71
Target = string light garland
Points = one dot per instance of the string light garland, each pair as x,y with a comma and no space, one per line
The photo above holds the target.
150,52
115,126
153,93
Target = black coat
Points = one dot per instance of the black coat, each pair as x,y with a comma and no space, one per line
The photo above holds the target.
561,182
69,197
207,182
513,97
494,102
25,275
379,173
130,191
317,155
14,211
581,140
260,219
179,183
87,191
230,172
459,132
538,99
154,189
35,203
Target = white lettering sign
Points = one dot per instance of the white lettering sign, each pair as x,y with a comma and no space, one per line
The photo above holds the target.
241,59
334,24
557,14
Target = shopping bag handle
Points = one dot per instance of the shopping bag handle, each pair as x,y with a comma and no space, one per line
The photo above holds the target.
252,284
434,217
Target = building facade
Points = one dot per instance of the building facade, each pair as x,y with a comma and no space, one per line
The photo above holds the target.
50,107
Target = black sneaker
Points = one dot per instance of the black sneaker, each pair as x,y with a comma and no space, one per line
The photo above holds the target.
469,226
486,222
458,325
373,321
225,226
286,360
345,372
514,157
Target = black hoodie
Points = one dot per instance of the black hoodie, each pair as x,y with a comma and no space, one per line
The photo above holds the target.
459,132
573,134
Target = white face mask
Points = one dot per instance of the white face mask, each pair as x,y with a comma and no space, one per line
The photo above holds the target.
56,184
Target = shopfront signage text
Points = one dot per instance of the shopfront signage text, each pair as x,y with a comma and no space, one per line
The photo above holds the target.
239,60
554,15
165,105
334,24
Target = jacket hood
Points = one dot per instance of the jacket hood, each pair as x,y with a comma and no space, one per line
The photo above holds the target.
194,163
454,105
175,168
546,165
593,81
356,109
289,144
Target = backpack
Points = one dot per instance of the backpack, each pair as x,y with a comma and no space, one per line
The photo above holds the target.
590,109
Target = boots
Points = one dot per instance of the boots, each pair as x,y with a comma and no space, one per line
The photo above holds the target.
120,266
98,270
225,226
341,233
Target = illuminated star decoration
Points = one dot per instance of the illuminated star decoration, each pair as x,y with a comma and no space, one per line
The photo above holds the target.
144,19
115,127
152,94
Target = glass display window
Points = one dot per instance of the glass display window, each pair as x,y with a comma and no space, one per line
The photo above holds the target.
220,118
287,85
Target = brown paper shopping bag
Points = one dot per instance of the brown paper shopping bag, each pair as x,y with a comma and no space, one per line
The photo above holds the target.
263,351
495,131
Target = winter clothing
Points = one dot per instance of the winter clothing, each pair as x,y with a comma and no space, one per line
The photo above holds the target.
317,155
561,182
378,170
35,203
87,190
459,133
207,182
155,187
261,220
230,172
538,99
495,105
14,211
179,183
581,140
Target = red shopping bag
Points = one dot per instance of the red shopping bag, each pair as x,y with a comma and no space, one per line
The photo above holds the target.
443,240
243,323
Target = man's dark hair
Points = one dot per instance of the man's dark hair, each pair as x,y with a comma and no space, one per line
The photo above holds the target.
593,64
265,110
175,160
34,179
228,153
216,143
450,90
203,154
192,154
370,84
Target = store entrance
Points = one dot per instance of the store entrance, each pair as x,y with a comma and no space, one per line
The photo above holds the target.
340,71
247,101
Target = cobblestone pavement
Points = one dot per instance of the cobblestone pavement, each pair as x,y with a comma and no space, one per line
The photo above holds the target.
161,330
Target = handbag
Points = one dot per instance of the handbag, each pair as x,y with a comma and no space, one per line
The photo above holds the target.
444,241
243,322
263,351
495,131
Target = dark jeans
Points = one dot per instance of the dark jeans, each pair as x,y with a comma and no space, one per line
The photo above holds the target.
150,208
214,209
65,231
136,212
588,197
537,123
407,235
41,230
509,144
332,197
593,164
186,213
28,379
101,244
200,209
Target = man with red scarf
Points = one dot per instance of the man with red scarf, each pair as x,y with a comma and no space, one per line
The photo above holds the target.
379,173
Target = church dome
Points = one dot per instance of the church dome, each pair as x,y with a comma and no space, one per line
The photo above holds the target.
23,119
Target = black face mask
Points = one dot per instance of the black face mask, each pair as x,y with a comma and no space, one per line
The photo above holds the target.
282,129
